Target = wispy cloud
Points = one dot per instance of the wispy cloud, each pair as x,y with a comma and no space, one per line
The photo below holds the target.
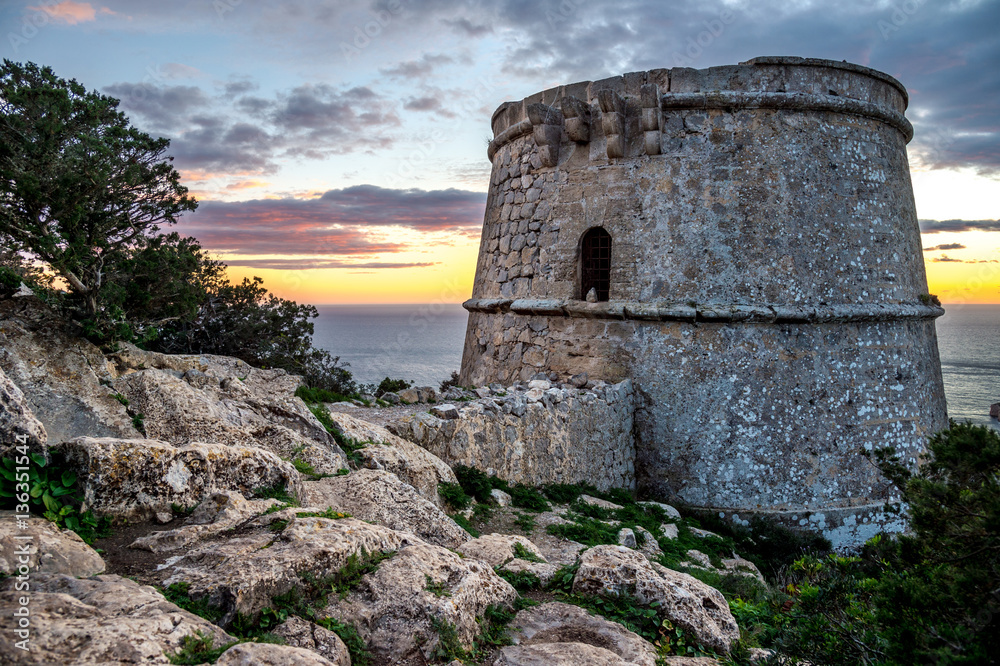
351,222
939,226
70,12
945,246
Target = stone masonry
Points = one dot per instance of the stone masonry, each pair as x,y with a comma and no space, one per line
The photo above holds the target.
537,433
767,293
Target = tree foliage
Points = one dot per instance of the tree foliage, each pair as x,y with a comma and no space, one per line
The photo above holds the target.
79,186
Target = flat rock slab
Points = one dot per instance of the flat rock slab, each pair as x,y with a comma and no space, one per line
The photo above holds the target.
683,599
243,573
217,513
139,479
556,622
266,654
303,634
18,425
381,497
396,608
105,620
50,550
558,654
411,463
498,549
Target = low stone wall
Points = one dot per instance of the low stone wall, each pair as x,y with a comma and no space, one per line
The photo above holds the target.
537,433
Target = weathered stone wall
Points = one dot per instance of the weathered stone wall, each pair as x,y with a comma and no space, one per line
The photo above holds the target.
768,294
542,434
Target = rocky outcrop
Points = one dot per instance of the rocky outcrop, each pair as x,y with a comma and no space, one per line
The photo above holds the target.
537,434
218,512
302,634
498,549
415,465
556,622
684,600
18,425
50,550
242,574
229,410
140,479
400,608
63,377
995,410
105,620
266,654
382,498
557,654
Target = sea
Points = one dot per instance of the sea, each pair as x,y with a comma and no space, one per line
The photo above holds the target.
423,344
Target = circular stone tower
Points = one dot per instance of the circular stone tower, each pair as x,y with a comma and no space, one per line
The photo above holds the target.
741,242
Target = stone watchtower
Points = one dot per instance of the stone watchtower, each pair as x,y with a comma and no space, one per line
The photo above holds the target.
749,233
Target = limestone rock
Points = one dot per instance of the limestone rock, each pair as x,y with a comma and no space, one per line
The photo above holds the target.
691,661
18,425
669,510
136,479
684,600
382,498
395,612
232,412
105,620
650,548
500,497
62,376
445,411
558,654
556,622
241,574
545,571
51,550
267,654
409,396
218,512
496,549
626,537
415,465
669,530
302,634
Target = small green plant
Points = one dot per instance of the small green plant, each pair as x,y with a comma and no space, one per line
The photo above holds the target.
525,521
474,482
449,646
278,491
357,566
465,524
179,595
522,553
179,510
198,648
482,512
930,299
454,495
521,581
138,422
350,448
53,492
526,497
388,385
120,398
438,589
314,396
327,513
356,646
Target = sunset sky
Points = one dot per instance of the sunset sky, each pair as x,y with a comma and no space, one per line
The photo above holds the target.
338,147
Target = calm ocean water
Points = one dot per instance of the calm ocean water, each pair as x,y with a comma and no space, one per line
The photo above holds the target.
423,343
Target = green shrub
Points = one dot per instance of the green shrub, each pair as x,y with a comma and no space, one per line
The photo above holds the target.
453,494
521,581
526,497
278,491
198,649
474,482
53,492
388,385
464,523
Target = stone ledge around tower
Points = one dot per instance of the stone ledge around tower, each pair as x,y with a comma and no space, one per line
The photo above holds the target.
704,313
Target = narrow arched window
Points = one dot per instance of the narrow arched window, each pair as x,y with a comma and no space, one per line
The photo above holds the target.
596,264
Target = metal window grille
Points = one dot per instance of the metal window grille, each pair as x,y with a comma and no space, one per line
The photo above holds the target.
597,263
